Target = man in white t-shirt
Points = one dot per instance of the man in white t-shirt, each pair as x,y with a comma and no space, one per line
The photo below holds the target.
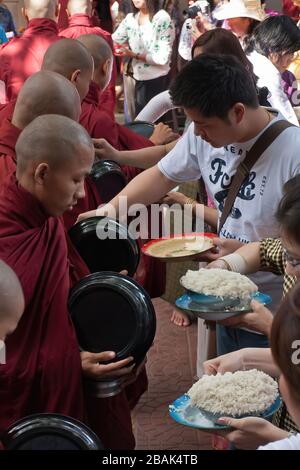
219,97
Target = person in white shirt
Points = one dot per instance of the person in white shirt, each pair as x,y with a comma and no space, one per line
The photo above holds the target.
219,96
147,36
253,432
271,50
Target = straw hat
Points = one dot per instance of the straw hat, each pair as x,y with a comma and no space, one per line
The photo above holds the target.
240,9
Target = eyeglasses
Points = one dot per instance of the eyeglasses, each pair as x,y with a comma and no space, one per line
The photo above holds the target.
294,262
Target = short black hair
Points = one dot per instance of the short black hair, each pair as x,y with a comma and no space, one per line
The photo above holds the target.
288,211
276,34
213,84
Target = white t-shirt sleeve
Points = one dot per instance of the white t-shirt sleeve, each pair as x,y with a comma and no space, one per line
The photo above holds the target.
181,164
291,443
157,107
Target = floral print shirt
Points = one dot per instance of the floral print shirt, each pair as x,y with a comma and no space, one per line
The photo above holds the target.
154,38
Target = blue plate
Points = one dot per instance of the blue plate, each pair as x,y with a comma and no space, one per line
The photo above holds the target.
183,413
210,307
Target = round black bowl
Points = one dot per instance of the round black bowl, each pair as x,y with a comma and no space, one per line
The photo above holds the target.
109,179
111,312
117,252
49,431
143,128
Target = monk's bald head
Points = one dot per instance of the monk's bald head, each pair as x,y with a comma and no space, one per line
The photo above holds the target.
54,155
98,48
11,300
80,6
71,59
46,92
41,9
103,58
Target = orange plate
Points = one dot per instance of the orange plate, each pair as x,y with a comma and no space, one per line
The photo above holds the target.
154,248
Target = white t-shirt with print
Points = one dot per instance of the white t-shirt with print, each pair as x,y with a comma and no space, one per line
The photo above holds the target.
252,216
290,443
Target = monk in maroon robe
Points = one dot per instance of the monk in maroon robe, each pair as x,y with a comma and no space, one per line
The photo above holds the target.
80,22
43,370
23,56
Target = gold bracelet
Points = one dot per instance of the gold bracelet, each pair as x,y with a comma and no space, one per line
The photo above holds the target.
226,264
191,202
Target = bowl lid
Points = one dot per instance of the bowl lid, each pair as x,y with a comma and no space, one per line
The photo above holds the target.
108,178
49,431
118,251
112,312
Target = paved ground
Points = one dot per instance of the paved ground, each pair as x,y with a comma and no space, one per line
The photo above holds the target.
171,367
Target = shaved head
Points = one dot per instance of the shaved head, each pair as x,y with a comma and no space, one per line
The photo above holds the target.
46,92
54,156
71,59
98,48
80,6
66,56
11,300
52,139
41,8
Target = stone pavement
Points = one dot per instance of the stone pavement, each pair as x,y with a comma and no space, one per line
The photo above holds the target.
171,368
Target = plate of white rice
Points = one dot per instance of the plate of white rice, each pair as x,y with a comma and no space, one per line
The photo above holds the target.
238,394
219,283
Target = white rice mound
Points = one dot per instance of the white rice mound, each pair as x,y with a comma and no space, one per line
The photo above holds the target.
219,282
234,394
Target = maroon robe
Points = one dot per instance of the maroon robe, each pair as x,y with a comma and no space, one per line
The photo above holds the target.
82,24
151,274
8,137
22,56
43,369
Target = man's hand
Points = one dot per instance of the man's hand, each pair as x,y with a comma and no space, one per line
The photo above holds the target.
259,320
230,362
250,433
222,247
92,367
174,197
105,151
163,134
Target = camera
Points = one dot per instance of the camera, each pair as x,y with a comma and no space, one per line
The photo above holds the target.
201,6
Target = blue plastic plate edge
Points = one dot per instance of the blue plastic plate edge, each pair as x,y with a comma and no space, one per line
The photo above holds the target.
178,405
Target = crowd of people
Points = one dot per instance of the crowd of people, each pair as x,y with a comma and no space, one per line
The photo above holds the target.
227,67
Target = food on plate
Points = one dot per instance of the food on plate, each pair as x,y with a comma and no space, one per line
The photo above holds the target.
220,283
177,246
234,394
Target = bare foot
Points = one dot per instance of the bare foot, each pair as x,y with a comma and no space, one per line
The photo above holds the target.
179,318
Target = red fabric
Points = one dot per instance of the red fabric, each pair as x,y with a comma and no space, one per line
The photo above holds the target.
7,110
43,369
289,9
63,17
151,274
23,56
82,24
8,138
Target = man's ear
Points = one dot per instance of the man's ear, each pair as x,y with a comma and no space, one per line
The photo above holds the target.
75,75
41,172
237,113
